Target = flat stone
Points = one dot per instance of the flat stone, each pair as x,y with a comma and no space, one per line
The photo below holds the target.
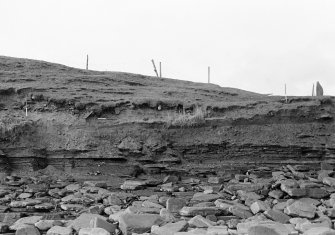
72,187
200,222
320,231
329,181
84,221
58,230
24,203
301,209
259,206
204,211
317,193
132,185
248,187
137,223
271,228
216,180
240,212
44,225
202,197
197,231
218,230
277,216
27,229
169,228
98,222
151,204
25,195
25,220
10,218
296,192
44,206
174,205
93,231
277,194
72,207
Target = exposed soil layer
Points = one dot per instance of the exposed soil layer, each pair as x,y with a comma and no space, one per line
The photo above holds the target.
112,121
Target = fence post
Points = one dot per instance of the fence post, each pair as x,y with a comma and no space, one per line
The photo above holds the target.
209,74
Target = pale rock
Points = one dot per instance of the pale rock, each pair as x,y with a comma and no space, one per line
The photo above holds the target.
132,185
204,211
301,209
84,221
25,220
72,187
167,215
44,225
58,230
259,206
112,209
329,181
98,222
202,197
93,231
152,205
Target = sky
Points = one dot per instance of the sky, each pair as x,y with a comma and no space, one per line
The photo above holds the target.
255,45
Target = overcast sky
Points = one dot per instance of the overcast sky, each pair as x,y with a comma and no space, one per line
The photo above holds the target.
255,45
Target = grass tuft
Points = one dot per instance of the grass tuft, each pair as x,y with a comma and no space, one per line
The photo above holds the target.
197,118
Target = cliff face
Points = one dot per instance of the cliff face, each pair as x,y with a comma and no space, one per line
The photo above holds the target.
112,121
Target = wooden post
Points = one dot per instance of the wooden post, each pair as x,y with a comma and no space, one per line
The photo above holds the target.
153,63
313,90
209,74
26,107
87,62
285,94
160,69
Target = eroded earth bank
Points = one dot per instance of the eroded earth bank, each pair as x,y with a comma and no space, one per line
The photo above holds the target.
88,152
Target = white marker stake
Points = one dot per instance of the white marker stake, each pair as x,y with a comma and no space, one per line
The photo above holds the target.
285,93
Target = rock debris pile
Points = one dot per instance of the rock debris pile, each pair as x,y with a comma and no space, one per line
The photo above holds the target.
290,200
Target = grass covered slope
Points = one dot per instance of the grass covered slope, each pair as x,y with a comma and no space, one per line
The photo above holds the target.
61,82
